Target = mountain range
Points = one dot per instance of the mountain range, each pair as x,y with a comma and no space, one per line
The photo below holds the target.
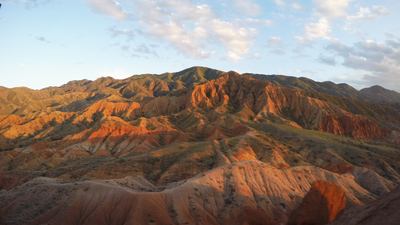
199,146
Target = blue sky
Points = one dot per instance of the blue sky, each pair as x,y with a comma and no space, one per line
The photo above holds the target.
50,42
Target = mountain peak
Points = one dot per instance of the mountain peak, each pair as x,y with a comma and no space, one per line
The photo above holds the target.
381,94
375,88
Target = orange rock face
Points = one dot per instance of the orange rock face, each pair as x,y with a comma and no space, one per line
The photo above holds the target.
322,204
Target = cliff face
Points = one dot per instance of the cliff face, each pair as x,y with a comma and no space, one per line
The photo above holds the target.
282,105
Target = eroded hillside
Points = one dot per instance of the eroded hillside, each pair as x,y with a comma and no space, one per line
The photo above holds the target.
171,129
224,195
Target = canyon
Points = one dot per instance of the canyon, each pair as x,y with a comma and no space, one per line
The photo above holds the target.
199,146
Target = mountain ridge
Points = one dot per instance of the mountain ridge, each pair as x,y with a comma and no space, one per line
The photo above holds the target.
328,87
160,132
174,81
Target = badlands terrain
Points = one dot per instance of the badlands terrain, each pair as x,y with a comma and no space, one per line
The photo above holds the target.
199,146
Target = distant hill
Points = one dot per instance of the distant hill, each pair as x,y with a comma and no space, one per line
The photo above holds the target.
379,94
375,94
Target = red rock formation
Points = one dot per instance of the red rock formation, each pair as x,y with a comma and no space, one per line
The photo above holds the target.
324,203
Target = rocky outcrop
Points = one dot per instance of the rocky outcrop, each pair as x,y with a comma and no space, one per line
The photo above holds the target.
324,203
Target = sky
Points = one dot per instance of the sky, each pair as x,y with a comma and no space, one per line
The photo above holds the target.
50,42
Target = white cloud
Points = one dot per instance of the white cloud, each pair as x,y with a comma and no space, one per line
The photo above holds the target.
304,41
380,10
185,40
297,7
355,31
276,45
331,8
110,8
337,46
289,4
186,10
254,22
158,11
142,48
327,11
115,32
233,56
190,28
370,13
280,3
317,30
255,56
248,7
275,42
171,20
389,34
237,39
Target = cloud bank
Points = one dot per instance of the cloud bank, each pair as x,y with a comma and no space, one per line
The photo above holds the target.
380,61
189,27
